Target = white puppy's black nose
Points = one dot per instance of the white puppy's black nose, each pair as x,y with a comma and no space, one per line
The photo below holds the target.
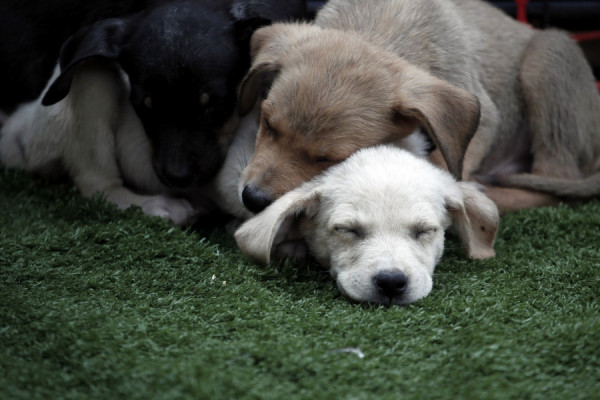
255,199
391,283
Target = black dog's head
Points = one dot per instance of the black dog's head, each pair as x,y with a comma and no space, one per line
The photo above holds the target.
183,65
184,60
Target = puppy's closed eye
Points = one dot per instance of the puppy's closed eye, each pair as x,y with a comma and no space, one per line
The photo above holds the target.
352,232
326,159
323,160
422,232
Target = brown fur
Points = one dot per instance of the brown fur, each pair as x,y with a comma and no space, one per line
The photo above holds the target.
497,98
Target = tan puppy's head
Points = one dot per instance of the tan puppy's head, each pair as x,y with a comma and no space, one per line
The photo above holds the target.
377,221
330,93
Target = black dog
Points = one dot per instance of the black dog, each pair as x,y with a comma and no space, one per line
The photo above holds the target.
180,63
184,60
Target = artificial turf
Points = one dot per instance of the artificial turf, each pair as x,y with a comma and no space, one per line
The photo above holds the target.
101,304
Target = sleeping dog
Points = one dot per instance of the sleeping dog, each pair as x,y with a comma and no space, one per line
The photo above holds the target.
95,136
377,221
159,85
502,103
183,60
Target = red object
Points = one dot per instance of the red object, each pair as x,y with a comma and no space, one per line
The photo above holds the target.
582,36
522,10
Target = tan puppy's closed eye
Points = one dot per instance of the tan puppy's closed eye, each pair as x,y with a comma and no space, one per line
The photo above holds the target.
377,221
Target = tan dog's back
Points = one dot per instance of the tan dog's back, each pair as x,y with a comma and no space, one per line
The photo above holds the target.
417,31
495,96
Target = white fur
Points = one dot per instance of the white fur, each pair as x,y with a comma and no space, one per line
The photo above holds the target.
95,136
383,209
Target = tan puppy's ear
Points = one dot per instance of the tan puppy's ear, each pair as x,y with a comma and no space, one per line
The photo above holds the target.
476,220
260,235
267,48
256,84
265,66
448,113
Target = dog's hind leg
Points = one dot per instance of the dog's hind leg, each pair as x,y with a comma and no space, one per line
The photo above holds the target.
562,106
563,113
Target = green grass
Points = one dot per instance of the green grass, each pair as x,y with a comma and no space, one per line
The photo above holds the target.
101,304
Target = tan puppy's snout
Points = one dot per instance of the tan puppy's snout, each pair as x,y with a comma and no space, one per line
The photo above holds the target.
391,283
255,199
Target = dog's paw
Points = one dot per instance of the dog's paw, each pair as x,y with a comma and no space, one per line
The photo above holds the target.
176,211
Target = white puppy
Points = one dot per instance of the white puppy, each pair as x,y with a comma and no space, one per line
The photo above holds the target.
377,221
96,138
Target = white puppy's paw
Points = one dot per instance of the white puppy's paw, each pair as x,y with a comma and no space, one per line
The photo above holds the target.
177,211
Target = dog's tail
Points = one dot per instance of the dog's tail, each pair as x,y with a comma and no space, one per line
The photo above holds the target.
583,188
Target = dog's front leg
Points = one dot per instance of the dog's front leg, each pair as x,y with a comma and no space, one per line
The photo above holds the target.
98,102
95,99
92,161
562,107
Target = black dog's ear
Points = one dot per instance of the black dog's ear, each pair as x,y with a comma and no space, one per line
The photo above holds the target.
256,84
103,39
250,15
254,14
246,20
269,10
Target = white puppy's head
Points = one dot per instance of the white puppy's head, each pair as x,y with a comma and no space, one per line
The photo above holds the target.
377,221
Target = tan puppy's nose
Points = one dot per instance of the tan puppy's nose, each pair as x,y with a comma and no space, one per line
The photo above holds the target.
255,199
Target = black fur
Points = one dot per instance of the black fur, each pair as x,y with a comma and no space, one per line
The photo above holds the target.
184,60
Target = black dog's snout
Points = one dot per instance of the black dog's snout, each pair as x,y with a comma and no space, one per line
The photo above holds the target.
178,176
391,283
255,199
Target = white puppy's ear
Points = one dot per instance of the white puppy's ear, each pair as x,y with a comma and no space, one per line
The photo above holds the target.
476,220
260,235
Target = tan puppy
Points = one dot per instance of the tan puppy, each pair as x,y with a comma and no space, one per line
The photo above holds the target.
496,98
377,221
